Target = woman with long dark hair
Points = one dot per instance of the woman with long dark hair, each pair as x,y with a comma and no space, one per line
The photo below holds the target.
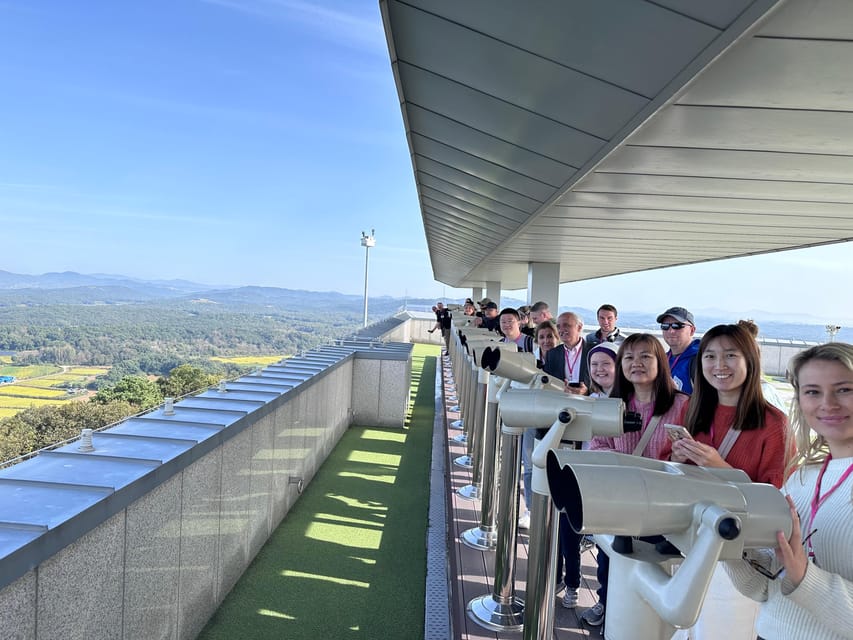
644,383
731,425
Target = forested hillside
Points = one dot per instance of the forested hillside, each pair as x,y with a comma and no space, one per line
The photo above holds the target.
153,348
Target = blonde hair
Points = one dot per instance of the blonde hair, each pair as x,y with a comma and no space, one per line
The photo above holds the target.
811,450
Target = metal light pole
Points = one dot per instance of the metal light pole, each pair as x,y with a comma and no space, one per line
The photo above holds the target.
367,241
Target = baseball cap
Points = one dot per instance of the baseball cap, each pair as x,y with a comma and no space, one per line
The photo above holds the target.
679,313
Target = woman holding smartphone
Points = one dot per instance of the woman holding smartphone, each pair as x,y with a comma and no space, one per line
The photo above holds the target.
806,584
644,383
731,425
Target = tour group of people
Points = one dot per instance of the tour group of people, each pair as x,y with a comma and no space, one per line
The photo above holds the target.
713,386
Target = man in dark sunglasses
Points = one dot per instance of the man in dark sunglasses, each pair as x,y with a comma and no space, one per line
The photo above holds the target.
678,327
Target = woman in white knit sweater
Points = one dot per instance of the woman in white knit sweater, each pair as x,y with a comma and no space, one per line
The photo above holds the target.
806,584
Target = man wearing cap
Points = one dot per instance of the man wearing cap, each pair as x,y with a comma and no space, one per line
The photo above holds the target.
608,331
677,327
490,317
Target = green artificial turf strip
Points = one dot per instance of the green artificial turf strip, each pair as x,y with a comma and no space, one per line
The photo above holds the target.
349,559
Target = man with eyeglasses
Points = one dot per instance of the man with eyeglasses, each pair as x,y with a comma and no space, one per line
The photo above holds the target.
677,327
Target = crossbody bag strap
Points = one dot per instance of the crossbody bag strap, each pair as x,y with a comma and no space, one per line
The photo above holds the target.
728,442
647,435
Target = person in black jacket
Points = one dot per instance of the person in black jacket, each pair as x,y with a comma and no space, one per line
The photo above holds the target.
568,361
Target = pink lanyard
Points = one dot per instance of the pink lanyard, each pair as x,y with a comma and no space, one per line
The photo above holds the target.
570,366
675,362
818,500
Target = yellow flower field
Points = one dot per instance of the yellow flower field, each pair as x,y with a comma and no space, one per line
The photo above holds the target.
87,371
43,383
31,392
249,361
7,402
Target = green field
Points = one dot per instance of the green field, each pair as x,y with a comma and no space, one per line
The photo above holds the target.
28,371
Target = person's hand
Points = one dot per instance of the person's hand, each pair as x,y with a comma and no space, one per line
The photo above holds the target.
678,452
576,391
791,553
701,454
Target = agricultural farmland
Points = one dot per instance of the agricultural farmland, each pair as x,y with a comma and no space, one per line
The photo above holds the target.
249,361
39,385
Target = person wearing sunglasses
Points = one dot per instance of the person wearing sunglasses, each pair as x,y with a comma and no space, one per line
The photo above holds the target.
805,585
678,327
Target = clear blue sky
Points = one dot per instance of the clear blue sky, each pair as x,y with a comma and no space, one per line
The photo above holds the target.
250,142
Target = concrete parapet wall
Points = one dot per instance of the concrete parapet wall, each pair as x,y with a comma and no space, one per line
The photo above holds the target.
415,329
157,565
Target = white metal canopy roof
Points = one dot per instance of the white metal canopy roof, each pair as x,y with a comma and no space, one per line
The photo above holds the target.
612,136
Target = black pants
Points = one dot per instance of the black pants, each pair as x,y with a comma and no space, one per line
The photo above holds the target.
569,555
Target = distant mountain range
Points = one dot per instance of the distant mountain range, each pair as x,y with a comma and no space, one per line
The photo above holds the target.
73,288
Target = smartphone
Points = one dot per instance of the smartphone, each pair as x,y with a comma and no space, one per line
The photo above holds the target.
677,432
574,385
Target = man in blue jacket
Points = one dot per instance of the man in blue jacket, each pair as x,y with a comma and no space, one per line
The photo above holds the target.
678,327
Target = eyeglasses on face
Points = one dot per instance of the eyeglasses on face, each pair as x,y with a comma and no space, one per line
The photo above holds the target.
678,326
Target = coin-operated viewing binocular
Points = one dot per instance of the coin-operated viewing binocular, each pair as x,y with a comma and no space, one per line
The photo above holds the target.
519,367
708,514
581,417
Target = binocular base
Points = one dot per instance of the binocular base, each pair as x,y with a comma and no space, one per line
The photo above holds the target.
494,615
480,538
469,492
462,438
457,424
464,461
